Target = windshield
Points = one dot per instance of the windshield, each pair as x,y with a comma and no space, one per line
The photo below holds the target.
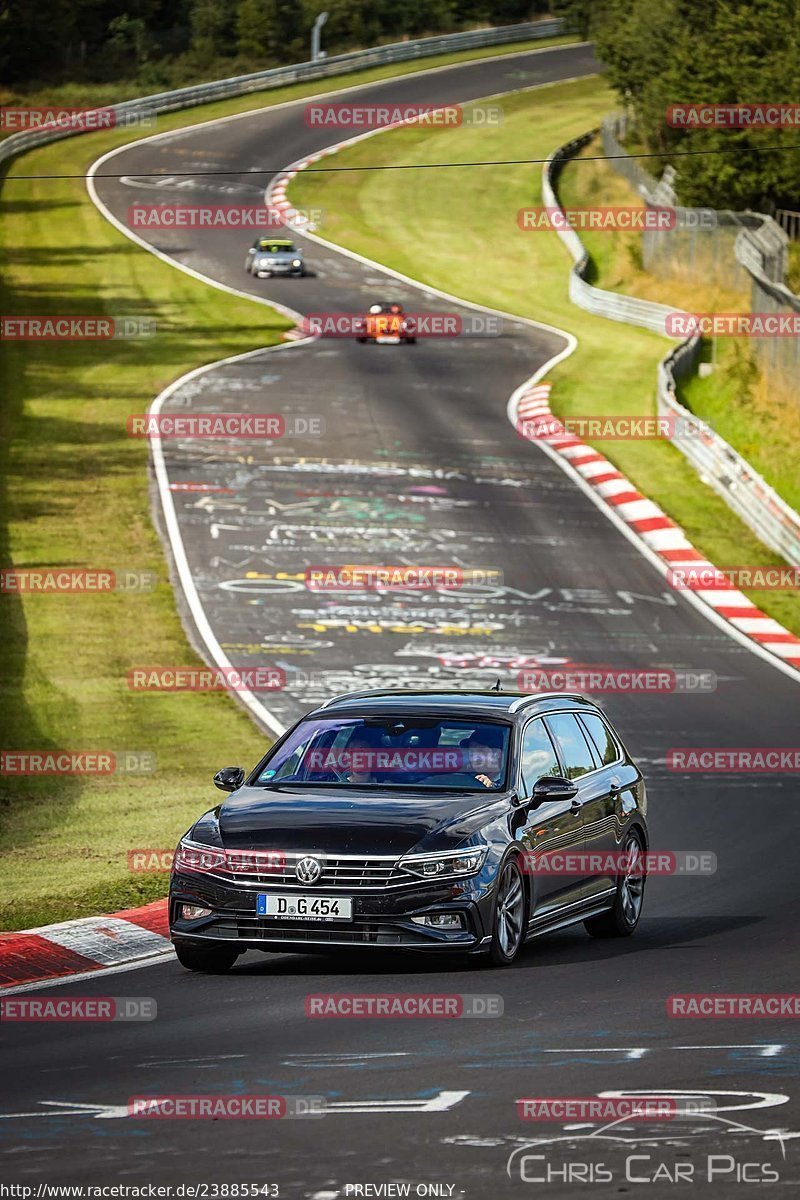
276,247
392,752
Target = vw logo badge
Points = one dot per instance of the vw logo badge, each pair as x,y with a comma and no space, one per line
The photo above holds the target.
308,870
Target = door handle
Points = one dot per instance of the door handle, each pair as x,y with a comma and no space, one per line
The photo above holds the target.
575,807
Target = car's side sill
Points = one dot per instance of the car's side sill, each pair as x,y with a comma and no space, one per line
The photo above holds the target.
581,910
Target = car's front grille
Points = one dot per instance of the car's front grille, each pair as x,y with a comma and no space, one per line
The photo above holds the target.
339,872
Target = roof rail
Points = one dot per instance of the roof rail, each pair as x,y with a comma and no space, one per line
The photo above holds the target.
525,700
357,695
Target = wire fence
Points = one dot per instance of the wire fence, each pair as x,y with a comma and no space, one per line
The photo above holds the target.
742,252
719,465
789,221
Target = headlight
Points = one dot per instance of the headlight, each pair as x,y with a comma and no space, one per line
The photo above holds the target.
450,864
297,262
197,858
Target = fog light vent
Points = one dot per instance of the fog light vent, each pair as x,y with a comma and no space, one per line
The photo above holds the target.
440,921
193,912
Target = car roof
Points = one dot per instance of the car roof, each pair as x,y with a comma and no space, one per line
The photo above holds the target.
264,237
499,705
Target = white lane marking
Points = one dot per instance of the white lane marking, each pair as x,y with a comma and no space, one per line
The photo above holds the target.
632,1052
768,1049
441,1102
341,1059
70,1108
761,1099
209,1061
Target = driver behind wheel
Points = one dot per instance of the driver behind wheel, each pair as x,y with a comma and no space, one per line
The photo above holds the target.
363,746
484,755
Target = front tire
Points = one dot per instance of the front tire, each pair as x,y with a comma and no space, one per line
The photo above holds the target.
621,920
508,924
211,960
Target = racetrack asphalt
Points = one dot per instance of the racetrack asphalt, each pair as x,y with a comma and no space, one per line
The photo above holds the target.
420,464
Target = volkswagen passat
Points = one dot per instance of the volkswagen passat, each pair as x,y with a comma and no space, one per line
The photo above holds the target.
430,821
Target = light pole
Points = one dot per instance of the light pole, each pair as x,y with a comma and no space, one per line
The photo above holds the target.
315,36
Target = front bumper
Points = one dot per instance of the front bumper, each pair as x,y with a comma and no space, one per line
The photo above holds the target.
277,269
382,918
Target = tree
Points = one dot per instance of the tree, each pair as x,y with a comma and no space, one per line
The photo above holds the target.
128,38
256,23
580,15
212,30
675,52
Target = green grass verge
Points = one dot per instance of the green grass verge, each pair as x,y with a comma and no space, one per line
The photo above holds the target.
756,413
793,273
466,216
76,494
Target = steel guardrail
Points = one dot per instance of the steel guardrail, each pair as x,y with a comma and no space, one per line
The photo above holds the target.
127,112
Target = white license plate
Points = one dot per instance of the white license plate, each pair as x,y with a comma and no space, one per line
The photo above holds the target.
309,907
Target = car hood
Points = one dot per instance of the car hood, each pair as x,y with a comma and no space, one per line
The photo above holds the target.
351,821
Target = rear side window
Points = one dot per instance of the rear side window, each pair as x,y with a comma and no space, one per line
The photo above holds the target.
538,756
602,738
578,758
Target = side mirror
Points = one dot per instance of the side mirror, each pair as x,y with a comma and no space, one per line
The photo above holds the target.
229,778
552,787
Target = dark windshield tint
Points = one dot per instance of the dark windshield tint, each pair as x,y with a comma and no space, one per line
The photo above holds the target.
392,752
